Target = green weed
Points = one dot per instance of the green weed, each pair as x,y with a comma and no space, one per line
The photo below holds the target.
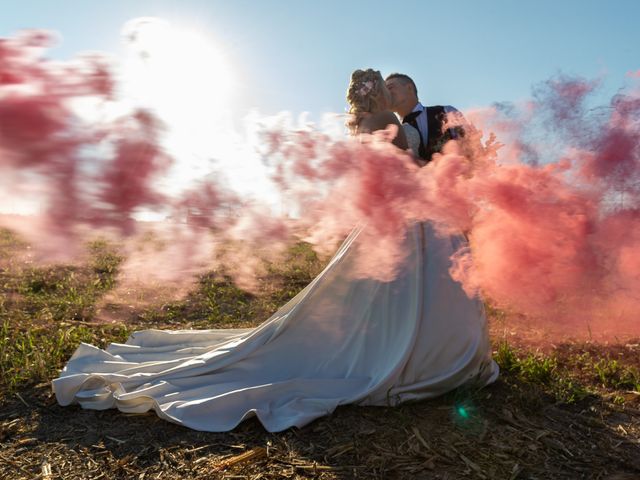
36,354
542,371
44,310
612,374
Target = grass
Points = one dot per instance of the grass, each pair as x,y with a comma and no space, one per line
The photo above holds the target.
613,374
542,372
39,308
34,355
563,413
45,312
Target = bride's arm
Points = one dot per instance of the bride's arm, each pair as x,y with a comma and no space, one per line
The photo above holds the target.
380,121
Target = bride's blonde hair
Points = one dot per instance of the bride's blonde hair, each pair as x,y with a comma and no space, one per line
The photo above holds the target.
363,95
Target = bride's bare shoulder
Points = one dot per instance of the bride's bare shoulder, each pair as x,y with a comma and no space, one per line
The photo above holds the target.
378,121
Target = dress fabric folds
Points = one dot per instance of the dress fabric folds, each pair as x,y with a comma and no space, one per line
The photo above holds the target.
341,340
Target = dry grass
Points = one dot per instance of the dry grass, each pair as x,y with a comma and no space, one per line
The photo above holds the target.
569,412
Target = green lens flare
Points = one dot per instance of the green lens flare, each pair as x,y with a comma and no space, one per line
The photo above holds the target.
462,412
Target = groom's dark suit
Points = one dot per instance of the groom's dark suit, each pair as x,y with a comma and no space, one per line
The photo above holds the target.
429,121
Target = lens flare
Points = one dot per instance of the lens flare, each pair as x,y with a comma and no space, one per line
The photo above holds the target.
462,412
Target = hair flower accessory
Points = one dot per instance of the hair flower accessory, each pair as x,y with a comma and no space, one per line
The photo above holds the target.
365,89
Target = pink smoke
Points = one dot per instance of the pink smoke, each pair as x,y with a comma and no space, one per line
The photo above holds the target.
41,136
548,192
127,179
554,238
338,185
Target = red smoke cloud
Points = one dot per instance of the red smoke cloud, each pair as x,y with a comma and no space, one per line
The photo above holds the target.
41,136
560,240
553,238
550,202
127,179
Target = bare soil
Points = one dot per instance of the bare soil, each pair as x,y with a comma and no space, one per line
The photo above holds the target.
510,430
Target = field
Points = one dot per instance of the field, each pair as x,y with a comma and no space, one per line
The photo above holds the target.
563,410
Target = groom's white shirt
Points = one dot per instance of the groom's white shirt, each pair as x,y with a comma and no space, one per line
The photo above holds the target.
421,119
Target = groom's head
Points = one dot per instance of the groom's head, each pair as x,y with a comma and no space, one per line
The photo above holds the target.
404,94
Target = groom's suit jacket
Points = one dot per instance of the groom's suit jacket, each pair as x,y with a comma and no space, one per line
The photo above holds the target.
430,124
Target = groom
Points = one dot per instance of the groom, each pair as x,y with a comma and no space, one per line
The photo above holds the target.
429,121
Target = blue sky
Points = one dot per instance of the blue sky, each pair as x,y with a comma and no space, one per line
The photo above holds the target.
297,55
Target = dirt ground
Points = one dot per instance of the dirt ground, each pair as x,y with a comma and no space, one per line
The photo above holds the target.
570,410
510,430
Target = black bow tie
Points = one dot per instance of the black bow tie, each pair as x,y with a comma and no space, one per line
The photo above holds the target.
411,118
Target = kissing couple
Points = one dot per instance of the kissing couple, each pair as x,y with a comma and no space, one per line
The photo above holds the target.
341,340
373,101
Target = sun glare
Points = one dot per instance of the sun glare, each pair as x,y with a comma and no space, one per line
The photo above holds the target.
184,77
180,60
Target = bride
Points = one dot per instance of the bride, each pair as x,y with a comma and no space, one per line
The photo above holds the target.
339,341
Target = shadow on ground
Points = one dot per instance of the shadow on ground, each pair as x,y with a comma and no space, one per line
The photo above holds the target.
510,430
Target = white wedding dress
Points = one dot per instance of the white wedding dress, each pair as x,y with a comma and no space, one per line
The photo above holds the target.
340,341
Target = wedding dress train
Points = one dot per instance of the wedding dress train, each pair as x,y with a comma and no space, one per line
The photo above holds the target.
339,341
